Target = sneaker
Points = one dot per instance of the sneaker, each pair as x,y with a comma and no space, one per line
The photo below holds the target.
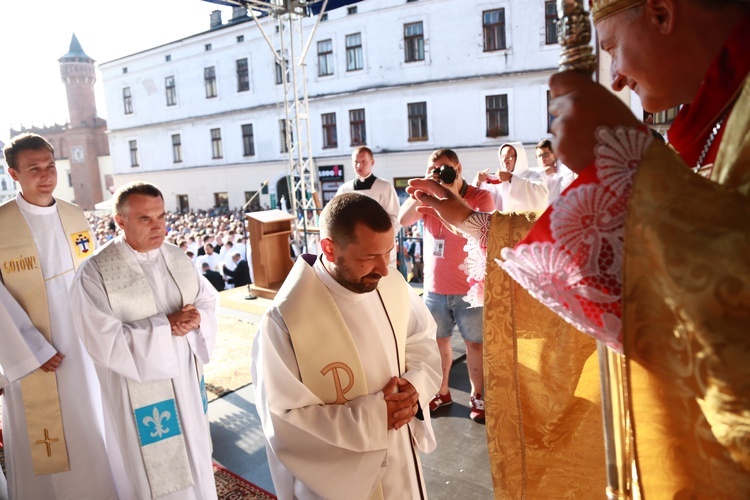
477,408
440,400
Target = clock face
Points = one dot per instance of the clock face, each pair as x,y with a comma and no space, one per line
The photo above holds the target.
77,153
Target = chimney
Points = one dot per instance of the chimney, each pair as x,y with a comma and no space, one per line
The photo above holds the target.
239,13
215,19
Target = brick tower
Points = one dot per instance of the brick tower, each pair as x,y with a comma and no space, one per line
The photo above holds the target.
85,140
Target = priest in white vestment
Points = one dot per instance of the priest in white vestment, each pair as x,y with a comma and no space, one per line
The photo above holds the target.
24,349
52,420
515,187
376,188
344,365
149,324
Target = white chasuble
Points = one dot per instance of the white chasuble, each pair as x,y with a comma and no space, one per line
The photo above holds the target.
343,451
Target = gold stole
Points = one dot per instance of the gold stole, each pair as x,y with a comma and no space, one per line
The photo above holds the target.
322,343
686,319
22,275
542,395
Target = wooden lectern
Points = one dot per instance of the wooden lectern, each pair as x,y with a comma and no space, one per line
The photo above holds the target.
270,231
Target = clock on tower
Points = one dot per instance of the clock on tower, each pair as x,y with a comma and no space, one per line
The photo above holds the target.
77,153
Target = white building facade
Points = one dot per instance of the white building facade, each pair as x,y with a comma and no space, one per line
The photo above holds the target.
200,117
8,187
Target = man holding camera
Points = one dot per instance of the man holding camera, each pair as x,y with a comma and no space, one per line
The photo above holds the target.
445,284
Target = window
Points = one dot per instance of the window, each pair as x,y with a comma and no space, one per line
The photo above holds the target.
282,136
493,28
280,71
324,17
70,179
208,47
240,38
255,203
351,10
182,203
133,153
497,115
5,185
413,42
550,22
417,121
329,130
168,57
216,151
127,101
243,75
124,70
221,200
357,127
248,140
209,77
354,52
325,58
176,148
171,91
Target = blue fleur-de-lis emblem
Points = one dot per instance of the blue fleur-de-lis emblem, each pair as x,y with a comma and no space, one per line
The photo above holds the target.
156,420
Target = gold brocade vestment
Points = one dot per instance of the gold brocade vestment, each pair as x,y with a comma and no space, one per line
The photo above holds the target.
542,395
686,319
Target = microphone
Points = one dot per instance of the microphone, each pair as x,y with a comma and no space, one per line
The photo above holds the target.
252,198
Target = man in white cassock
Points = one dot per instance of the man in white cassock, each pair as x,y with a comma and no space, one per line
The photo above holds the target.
344,365
52,417
149,323
515,187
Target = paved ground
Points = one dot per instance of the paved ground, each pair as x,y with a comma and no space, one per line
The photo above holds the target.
458,469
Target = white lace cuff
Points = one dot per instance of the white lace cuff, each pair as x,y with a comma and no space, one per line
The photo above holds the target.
578,274
475,229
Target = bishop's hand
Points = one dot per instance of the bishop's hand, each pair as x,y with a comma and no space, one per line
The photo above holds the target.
580,106
439,201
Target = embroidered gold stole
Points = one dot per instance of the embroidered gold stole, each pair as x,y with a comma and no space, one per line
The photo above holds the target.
542,395
22,275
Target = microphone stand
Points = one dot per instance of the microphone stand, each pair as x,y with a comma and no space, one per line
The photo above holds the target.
245,236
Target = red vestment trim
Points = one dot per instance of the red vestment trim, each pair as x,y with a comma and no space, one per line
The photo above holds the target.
692,126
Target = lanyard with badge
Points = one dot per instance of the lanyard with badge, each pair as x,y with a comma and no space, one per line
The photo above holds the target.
438,250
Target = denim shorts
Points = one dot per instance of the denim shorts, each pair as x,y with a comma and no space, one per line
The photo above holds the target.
451,310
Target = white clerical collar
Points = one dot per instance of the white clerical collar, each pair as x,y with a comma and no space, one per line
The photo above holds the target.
334,286
35,209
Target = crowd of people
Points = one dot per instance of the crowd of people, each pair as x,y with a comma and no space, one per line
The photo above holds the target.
645,252
213,238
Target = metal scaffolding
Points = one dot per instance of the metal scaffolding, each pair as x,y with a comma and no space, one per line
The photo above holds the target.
290,49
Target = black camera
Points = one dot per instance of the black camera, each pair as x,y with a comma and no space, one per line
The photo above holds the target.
447,174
